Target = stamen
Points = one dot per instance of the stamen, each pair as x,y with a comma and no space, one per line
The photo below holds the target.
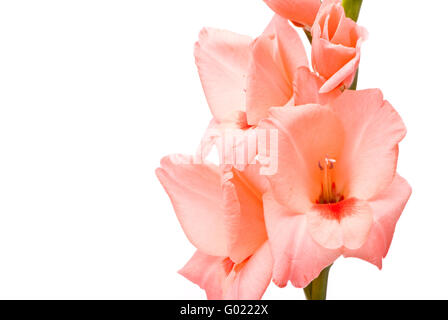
320,166
329,192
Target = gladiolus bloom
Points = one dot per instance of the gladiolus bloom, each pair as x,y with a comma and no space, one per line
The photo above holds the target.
301,12
222,215
242,78
336,191
336,46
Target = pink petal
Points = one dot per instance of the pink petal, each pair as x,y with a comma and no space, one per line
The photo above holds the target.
387,208
373,249
250,281
329,58
300,11
347,32
297,257
276,54
208,272
244,216
255,179
196,195
346,74
373,131
306,88
306,135
222,58
343,224
329,17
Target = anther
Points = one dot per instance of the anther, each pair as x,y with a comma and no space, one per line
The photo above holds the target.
329,192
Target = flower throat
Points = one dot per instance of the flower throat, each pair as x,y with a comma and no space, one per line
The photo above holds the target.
328,187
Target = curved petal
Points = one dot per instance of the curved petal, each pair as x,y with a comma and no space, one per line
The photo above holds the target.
373,249
387,208
222,279
348,32
343,224
196,195
222,58
329,18
306,88
306,135
276,55
255,179
302,12
208,272
250,280
329,58
373,130
346,74
297,257
243,216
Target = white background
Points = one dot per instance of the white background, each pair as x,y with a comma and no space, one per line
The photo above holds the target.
92,95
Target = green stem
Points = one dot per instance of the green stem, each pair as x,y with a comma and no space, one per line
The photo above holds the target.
317,289
352,8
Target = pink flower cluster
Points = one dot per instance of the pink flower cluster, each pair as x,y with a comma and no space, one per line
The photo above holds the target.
335,191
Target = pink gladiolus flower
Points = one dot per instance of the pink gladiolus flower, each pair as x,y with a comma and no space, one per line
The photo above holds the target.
222,215
336,47
336,191
301,12
242,78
